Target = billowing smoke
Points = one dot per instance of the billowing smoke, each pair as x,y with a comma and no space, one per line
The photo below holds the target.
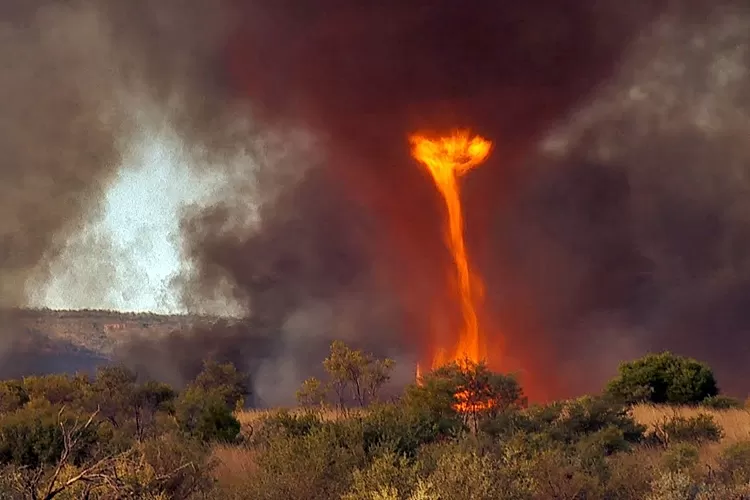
609,220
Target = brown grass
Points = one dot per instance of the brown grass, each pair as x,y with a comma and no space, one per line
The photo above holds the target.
251,417
234,463
734,422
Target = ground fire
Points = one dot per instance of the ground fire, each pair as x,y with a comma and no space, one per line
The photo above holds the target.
447,159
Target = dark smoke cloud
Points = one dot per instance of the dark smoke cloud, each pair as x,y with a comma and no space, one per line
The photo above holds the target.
625,232
661,245
361,77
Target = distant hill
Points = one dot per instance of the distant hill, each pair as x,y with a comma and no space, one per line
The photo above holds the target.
68,341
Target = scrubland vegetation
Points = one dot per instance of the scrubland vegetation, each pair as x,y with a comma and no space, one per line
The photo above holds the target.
659,431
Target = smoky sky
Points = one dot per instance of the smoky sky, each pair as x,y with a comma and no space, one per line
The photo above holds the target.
609,221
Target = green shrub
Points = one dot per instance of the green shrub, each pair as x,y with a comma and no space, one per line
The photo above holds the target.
681,457
34,438
557,473
283,423
59,389
734,463
663,378
630,474
206,417
674,486
13,395
484,395
569,422
463,474
317,465
698,429
171,467
388,476
398,428
224,379
594,447
723,403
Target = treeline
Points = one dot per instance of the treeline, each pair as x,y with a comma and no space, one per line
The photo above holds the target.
462,432
114,314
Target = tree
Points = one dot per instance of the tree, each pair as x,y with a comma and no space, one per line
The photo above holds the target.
312,393
150,399
225,379
663,378
352,375
467,392
205,416
113,392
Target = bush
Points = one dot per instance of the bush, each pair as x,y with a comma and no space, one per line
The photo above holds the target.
34,438
397,428
663,378
13,396
283,423
570,422
206,417
464,395
557,474
353,376
723,403
465,474
314,466
681,457
58,389
698,429
167,467
224,379
389,476
734,463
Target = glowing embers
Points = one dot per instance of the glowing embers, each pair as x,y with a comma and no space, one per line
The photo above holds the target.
446,159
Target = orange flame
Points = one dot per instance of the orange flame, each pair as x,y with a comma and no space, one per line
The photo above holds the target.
465,404
446,159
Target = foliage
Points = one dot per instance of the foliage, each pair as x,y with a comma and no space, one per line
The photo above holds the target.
734,463
353,375
464,394
599,421
205,416
13,395
663,378
317,465
463,432
681,457
720,402
398,428
388,476
33,438
166,467
312,393
698,429
226,380
59,389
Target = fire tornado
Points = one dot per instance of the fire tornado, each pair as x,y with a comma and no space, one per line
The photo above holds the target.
447,159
